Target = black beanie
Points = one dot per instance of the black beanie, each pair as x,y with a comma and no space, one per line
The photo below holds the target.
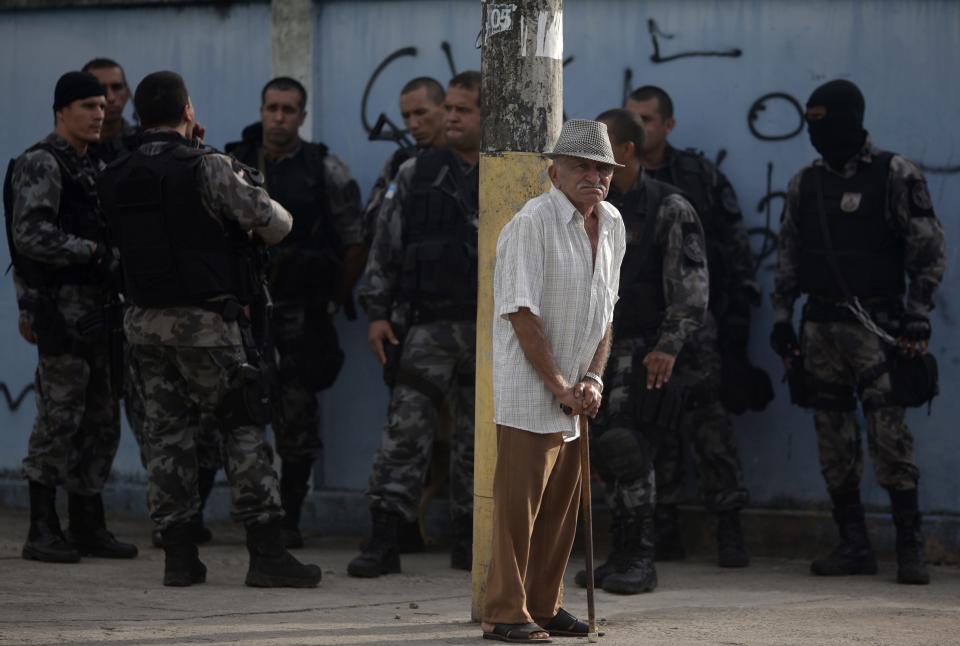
74,86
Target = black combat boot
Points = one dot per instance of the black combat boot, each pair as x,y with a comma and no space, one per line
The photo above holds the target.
182,565
911,561
731,551
854,555
615,557
461,543
636,571
271,565
669,545
88,529
380,554
294,476
45,540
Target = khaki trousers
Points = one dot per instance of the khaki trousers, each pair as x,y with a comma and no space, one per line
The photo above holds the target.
536,495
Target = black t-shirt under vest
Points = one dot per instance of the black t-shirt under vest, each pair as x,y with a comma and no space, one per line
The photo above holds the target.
869,253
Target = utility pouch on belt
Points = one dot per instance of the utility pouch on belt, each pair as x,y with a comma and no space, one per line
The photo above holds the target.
915,380
320,358
51,329
392,352
657,410
797,382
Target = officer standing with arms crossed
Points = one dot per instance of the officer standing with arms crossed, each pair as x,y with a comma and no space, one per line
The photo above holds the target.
421,106
663,298
182,216
419,292
313,269
720,344
58,246
855,222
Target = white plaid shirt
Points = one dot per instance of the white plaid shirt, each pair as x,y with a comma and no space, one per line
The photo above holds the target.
544,263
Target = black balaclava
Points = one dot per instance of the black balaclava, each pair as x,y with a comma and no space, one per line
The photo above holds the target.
839,135
74,86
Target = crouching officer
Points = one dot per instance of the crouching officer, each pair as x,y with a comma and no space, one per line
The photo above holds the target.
855,222
311,270
663,298
182,215
424,263
58,246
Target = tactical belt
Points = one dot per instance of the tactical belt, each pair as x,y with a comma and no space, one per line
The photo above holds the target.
428,314
819,309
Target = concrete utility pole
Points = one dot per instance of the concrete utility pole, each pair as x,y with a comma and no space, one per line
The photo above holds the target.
291,37
522,104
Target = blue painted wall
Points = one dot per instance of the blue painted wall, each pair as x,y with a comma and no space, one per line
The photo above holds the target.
899,52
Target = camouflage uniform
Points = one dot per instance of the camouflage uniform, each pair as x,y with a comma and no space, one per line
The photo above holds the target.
709,430
125,141
685,278
835,351
437,359
186,360
76,432
385,178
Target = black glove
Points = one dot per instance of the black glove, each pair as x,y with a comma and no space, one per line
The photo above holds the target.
915,327
784,340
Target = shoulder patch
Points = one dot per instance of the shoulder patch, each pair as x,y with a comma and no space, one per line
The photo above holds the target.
921,206
729,200
693,252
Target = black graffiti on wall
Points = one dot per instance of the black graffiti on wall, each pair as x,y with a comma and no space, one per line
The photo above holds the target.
13,403
768,237
656,34
760,105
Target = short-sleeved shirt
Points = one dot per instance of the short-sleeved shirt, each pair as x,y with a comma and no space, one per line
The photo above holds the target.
544,263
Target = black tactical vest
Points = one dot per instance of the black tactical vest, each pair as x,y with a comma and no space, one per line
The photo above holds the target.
79,214
642,304
868,251
440,232
174,253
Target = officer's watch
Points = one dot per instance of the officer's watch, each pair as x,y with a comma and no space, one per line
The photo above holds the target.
592,376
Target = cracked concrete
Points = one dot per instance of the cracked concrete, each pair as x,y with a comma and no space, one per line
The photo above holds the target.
123,604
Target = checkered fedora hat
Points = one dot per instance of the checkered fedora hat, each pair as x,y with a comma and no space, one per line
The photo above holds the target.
584,139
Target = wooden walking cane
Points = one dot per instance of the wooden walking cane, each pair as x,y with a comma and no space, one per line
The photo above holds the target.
592,633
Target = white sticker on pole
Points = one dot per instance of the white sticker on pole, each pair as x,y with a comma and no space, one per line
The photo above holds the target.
550,35
499,19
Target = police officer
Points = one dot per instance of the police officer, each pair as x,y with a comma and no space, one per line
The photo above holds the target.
419,292
118,137
313,269
855,222
721,343
182,215
663,299
421,106
59,250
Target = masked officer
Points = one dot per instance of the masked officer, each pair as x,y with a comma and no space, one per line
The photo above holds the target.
312,270
182,215
663,299
58,246
419,292
855,223
118,137
421,106
721,343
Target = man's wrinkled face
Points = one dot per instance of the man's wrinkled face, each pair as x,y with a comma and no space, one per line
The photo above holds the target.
463,118
424,119
118,93
281,116
585,182
83,118
655,127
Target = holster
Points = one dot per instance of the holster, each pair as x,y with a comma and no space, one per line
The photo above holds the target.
657,411
320,358
392,365
248,400
807,391
50,328
914,381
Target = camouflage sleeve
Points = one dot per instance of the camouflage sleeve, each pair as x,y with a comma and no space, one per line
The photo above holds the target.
379,282
375,201
235,193
786,282
36,235
686,281
924,250
344,196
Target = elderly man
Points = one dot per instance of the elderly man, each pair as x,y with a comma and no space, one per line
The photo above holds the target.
555,287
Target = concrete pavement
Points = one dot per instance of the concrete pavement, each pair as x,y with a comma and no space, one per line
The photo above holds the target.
123,603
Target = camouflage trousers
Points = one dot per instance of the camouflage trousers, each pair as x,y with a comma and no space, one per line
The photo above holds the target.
721,479
835,353
208,439
180,386
706,428
437,361
297,435
77,430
